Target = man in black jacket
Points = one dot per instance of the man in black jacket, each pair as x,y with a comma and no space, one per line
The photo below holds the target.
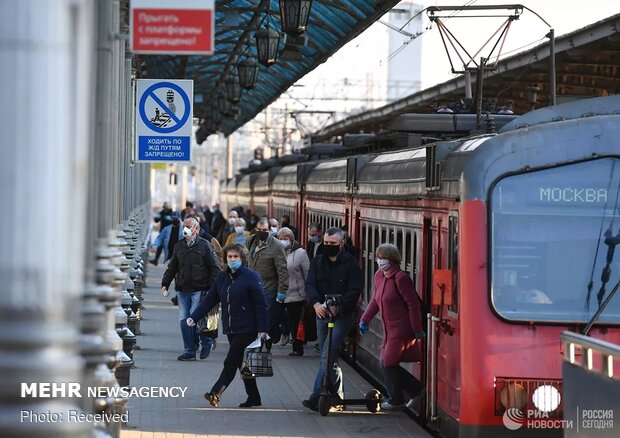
193,266
333,272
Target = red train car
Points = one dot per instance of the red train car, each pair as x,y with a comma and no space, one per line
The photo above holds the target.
510,240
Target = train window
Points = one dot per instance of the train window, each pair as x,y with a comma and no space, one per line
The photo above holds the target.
408,252
453,259
553,232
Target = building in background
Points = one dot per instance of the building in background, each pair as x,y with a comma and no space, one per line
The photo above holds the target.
404,72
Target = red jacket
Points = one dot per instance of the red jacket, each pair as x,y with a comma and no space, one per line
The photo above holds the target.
401,316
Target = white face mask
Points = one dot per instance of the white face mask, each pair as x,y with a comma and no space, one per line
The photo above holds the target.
187,232
274,230
239,230
232,220
384,264
285,243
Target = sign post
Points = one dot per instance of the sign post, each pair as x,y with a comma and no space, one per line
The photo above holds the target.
164,120
179,27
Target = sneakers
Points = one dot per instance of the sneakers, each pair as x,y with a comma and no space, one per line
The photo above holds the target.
187,356
310,404
205,351
284,340
214,399
153,262
387,406
249,403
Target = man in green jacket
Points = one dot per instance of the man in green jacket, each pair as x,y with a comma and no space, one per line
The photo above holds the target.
267,258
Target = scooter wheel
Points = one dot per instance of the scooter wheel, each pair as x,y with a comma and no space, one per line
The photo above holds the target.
323,405
374,400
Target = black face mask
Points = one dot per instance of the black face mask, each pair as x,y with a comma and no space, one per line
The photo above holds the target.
262,235
330,250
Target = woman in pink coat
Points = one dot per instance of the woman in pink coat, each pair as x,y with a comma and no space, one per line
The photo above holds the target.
401,316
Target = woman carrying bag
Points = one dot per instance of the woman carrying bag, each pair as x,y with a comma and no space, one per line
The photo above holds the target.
244,318
401,316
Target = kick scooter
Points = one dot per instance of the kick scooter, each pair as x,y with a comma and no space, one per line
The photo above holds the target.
329,396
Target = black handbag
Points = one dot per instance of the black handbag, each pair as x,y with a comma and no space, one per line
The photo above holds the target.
256,362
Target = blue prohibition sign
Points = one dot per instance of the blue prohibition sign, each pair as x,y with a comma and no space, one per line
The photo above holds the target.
150,92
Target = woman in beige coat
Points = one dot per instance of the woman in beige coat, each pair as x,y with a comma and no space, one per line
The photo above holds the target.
297,263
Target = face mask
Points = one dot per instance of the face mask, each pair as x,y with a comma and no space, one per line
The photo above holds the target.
285,243
314,239
330,250
262,235
239,230
234,265
187,232
231,220
274,230
384,264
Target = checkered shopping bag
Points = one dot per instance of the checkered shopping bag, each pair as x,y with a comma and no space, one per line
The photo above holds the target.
256,362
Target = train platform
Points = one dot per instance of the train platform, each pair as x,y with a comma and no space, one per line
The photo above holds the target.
281,414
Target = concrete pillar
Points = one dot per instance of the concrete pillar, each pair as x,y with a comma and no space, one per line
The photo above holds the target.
45,86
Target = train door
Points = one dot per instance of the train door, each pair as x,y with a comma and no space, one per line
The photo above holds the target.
443,378
427,287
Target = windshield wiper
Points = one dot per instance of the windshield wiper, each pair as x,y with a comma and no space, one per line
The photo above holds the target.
611,242
601,308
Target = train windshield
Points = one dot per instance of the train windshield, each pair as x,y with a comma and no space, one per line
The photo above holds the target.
553,243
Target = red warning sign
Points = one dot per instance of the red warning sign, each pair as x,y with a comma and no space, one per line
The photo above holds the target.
185,29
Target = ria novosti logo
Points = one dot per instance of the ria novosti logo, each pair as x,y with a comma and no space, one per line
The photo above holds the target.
513,418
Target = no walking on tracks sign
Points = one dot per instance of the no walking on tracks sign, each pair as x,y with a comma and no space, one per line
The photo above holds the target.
164,120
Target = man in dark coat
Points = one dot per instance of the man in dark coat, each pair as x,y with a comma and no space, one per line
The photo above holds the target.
194,267
315,240
333,272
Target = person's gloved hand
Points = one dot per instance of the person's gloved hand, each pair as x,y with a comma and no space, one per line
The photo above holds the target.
363,328
281,297
164,291
190,322
419,335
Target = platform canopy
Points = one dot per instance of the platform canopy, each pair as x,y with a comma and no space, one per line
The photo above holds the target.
332,23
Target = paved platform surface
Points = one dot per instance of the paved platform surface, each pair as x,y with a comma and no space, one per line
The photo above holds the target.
281,414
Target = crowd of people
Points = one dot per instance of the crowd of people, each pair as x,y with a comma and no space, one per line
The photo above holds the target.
265,281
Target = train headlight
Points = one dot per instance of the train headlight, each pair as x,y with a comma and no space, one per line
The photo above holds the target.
513,395
546,398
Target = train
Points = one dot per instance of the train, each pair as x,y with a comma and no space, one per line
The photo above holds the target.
509,237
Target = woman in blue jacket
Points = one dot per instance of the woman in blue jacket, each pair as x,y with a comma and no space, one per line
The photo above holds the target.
244,318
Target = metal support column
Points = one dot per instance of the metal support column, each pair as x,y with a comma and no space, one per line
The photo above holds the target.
552,86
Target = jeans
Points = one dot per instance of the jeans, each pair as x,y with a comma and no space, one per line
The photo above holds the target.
342,326
233,361
188,301
397,381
